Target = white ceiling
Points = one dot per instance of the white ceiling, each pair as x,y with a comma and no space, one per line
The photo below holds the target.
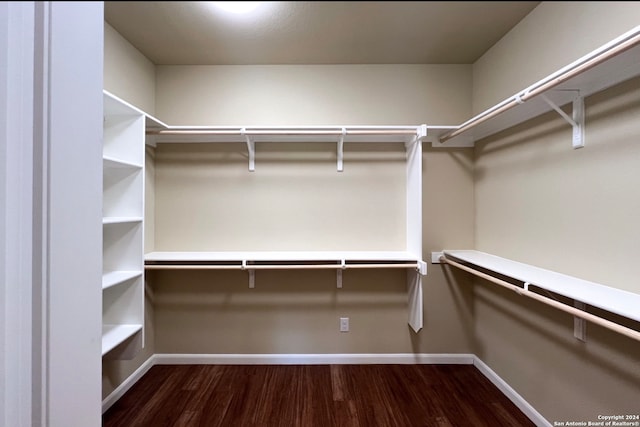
316,32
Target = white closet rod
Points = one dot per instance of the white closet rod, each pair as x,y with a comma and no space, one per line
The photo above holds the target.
274,267
622,45
574,311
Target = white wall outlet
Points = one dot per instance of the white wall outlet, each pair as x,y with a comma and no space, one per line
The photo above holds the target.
344,324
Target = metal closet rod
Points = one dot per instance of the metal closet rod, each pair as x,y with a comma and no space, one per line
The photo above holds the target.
631,333
624,45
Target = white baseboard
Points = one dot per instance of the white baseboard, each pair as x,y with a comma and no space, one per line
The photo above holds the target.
506,389
325,359
312,359
127,384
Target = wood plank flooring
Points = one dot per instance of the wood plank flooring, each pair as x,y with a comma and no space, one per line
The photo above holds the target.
314,395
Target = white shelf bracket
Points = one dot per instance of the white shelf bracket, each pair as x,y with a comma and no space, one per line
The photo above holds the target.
341,150
339,274
252,279
251,149
252,274
580,324
421,134
422,268
576,122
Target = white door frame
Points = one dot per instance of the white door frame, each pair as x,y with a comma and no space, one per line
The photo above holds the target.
16,199
51,78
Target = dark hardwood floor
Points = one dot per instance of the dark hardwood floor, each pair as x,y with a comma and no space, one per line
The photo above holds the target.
314,395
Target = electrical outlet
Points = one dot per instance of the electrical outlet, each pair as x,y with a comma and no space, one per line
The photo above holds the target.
344,324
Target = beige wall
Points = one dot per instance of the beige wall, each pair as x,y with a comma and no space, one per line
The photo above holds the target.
207,200
313,94
565,209
553,35
540,202
127,73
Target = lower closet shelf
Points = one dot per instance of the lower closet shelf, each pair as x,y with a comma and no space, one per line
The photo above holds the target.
285,260
535,282
113,335
289,260
112,278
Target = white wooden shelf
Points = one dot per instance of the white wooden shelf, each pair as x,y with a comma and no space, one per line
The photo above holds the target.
113,163
285,260
607,298
611,64
290,260
121,220
297,134
280,256
113,278
406,135
114,335
582,292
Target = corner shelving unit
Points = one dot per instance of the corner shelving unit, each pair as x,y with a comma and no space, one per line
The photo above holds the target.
122,225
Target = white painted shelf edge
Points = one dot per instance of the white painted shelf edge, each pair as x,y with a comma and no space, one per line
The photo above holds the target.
282,256
607,298
115,106
162,133
120,219
112,278
113,335
242,259
113,163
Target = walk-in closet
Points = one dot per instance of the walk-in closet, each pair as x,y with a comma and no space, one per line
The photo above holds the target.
321,213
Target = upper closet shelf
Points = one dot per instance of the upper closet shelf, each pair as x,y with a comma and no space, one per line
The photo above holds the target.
612,63
178,134
408,135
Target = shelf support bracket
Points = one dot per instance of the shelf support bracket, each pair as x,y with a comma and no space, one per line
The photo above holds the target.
339,274
576,122
341,150
422,268
252,274
251,149
421,135
580,324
